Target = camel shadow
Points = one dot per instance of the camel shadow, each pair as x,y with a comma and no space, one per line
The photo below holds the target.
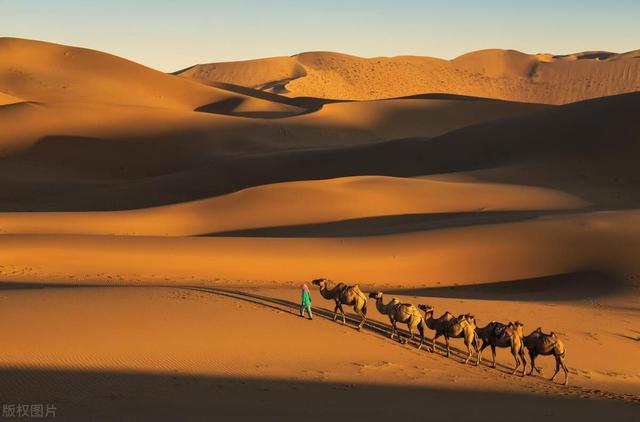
370,325
282,305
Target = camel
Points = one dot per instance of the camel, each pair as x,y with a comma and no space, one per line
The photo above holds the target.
438,324
540,343
464,327
496,334
343,294
401,312
385,309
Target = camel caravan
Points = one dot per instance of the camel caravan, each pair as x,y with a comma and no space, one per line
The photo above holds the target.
476,339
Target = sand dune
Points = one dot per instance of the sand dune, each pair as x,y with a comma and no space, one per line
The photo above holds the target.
296,203
338,124
503,74
8,99
250,73
585,149
109,144
604,241
46,72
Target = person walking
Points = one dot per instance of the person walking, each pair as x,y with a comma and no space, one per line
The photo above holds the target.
306,301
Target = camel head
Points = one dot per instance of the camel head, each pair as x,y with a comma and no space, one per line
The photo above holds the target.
427,309
470,318
375,295
320,282
518,326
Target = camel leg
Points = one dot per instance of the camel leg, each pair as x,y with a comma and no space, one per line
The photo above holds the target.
395,331
335,311
566,371
557,368
484,346
493,355
410,328
468,344
436,335
446,339
433,344
515,357
524,362
344,321
476,347
533,362
364,317
421,330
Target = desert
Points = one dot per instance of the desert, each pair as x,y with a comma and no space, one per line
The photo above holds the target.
156,228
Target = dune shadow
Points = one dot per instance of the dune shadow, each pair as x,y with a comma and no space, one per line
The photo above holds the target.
390,224
553,288
230,107
445,96
84,395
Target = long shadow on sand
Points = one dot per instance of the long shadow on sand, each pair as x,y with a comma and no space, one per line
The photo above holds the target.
555,288
280,304
108,395
391,224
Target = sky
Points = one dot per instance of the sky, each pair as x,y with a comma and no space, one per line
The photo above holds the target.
171,35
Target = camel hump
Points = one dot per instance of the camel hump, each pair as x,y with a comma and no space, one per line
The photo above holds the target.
356,289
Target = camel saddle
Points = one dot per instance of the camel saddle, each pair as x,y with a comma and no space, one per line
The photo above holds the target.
499,330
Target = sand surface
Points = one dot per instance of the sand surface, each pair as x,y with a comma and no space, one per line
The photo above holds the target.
155,229
504,74
101,352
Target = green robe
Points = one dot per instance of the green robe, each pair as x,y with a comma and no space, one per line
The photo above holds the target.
306,298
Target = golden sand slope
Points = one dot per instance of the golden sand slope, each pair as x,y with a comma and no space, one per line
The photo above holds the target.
296,203
585,149
462,255
8,99
170,353
46,72
341,124
250,73
110,144
504,74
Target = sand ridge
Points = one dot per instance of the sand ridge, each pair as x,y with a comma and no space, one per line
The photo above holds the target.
493,73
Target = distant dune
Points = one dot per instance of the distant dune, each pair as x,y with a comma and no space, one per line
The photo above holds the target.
502,74
46,72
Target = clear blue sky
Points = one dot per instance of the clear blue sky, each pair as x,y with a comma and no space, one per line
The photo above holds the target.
170,35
